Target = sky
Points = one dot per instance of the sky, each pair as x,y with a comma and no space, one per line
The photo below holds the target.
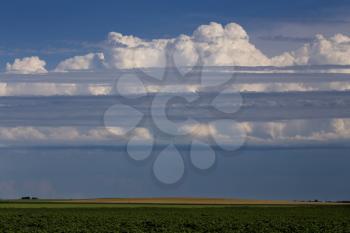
242,99
56,30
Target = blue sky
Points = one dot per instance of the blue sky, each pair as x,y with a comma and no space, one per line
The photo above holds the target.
39,20
59,29
56,137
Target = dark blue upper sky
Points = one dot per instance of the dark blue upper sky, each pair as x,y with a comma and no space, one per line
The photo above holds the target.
40,27
40,20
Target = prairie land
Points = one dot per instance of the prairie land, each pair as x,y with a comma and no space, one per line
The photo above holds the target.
172,215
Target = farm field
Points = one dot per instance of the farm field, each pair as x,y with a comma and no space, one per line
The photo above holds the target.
40,216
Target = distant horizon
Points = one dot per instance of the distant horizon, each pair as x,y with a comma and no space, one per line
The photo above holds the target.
174,199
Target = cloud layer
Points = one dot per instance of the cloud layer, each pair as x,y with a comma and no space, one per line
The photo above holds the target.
273,133
51,89
76,89
211,45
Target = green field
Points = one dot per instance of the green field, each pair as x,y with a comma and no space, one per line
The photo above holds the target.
68,217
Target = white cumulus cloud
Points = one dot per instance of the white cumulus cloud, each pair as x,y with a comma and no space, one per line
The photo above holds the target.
89,61
321,51
218,45
214,44
27,65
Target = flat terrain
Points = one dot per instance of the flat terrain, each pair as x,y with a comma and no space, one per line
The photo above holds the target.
149,202
183,201
82,216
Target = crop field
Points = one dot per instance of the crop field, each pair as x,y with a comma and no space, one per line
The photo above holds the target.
70,217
